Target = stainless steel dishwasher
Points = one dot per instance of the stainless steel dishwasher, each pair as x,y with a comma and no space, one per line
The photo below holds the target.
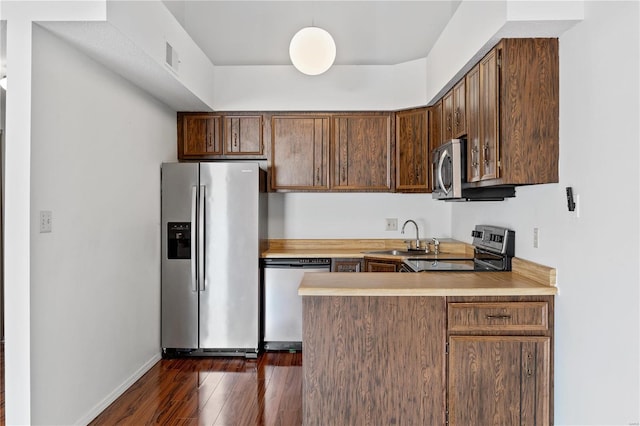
282,305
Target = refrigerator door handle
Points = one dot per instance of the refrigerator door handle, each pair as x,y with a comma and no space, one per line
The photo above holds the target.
201,225
194,210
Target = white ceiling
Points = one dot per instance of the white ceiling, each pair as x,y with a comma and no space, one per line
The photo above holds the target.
366,32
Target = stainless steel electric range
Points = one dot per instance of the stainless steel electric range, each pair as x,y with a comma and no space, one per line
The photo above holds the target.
494,247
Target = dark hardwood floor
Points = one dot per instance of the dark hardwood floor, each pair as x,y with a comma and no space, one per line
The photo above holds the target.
2,383
213,391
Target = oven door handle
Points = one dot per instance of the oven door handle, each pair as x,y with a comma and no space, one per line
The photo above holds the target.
440,181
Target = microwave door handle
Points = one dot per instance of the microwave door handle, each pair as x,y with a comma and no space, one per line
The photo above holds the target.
201,225
194,227
440,164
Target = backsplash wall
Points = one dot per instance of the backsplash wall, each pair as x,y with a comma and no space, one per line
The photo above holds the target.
355,215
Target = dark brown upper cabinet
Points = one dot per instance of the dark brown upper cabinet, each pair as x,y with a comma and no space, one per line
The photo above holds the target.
517,114
299,152
207,136
412,151
243,135
473,124
459,110
506,107
447,116
454,112
436,134
199,136
489,119
362,152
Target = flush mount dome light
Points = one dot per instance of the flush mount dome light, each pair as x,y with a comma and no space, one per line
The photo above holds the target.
312,50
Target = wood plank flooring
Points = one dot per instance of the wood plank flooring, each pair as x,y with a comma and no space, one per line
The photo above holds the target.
2,383
214,391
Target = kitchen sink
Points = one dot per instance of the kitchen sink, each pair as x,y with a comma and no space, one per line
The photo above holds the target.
397,252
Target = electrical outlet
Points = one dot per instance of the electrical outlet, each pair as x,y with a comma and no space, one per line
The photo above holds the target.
536,237
391,224
45,221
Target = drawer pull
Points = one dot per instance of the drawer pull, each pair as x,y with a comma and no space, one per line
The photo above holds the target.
498,316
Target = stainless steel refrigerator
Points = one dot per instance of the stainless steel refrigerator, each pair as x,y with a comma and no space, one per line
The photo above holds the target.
213,226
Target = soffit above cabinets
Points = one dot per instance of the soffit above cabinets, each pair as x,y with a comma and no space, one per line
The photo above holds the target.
365,32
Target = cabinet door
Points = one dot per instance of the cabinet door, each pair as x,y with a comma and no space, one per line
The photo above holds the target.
380,266
447,116
435,126
243,135
412,151
299,152
362,152
459,109
473,124
489,115
200,135
499,380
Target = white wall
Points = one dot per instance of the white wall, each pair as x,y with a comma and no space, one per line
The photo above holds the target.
484,23
97,144
347,215
150,25
597,255
342,88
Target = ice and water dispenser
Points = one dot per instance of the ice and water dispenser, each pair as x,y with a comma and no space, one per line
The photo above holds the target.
179,236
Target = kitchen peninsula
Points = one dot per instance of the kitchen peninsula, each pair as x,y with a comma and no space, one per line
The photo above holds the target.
429,348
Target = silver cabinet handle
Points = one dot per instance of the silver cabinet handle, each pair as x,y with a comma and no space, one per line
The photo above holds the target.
201,225
499,316
194,210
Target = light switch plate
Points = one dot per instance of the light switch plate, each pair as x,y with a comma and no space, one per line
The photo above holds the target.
45,221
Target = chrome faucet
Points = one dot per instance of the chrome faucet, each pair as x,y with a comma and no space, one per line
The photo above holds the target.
417,235
436,245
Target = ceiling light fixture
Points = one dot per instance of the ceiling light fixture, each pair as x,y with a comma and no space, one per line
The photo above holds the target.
3,82
312,50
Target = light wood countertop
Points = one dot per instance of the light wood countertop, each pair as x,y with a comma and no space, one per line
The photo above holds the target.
421,284
527,278
357,248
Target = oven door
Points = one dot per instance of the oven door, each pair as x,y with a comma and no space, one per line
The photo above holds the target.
447,170
487,261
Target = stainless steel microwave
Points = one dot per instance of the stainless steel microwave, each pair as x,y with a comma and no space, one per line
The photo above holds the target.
449,177
448,170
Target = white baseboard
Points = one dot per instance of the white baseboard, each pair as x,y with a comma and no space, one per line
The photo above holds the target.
117,392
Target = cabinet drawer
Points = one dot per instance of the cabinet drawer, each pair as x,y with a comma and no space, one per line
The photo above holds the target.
507,316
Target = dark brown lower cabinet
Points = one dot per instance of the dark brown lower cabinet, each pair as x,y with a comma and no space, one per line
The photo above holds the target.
376,265
499,380
371,360
500,360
